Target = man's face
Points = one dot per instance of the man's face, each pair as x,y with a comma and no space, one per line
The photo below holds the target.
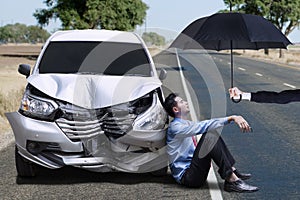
182,107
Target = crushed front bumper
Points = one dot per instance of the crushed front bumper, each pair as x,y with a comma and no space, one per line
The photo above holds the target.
45,143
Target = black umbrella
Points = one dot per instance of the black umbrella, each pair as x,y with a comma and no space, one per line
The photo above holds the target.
231,31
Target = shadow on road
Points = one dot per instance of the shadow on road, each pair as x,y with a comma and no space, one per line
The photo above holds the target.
70,175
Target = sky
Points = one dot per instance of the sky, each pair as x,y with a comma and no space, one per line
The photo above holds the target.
169,15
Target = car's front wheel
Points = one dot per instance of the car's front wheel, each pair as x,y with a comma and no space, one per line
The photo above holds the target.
25,168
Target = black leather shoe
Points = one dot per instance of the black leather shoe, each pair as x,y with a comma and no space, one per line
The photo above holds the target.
239,186
242,176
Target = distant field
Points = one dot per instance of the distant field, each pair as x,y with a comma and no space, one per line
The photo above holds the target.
291,56
11,82
10,58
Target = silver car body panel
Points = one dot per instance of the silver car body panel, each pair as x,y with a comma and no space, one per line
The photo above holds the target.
106,154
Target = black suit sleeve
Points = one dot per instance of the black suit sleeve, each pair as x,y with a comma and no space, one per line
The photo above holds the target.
283,97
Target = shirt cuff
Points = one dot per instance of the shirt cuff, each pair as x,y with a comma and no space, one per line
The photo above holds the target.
246,96
226,120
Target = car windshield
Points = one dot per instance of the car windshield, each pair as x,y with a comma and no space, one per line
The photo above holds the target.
108,58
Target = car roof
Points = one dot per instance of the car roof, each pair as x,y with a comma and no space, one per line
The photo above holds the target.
96,35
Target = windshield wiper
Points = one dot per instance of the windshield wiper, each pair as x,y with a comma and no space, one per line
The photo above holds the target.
141,75
89,73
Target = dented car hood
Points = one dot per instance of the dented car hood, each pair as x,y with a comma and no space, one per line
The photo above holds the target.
93,91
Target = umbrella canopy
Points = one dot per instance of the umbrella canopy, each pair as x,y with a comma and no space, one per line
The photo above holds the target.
231,31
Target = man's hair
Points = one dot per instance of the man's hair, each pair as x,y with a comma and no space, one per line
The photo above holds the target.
170,103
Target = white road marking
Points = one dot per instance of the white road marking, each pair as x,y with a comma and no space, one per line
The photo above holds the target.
258,74
212,181
242,69
289,85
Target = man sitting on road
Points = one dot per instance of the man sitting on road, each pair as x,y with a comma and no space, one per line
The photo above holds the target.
190,164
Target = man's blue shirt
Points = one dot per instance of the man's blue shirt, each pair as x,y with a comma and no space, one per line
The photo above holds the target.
180,146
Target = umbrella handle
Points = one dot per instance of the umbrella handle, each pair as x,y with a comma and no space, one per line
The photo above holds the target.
238,100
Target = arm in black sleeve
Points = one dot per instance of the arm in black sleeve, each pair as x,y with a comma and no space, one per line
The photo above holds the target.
283,97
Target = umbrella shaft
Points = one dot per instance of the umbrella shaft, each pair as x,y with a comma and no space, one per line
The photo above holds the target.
231,62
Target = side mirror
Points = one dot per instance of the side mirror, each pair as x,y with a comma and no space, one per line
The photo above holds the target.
24,69
162,74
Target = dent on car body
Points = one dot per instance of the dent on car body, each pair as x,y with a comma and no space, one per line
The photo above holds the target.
90,91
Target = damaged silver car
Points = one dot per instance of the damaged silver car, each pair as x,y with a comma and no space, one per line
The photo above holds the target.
93,101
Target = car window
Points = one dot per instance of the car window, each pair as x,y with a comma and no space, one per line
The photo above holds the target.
109,58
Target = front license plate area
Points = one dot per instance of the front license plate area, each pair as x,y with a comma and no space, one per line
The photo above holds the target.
91,146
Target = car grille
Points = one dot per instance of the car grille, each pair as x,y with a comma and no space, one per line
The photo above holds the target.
85,124
78,129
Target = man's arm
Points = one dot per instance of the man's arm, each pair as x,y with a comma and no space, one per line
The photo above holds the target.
196,128
184,128
241,122
283,97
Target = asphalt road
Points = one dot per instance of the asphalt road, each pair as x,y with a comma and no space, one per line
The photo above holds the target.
270,153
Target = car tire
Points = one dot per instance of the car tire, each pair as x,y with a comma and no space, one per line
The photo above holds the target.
24,167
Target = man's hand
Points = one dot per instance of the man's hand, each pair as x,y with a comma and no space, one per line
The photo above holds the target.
241,122
235,93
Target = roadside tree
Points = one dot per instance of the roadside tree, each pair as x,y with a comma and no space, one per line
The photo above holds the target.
20,33
122,15
153,38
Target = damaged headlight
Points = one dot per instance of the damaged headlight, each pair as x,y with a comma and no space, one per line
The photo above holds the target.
37,107
153,119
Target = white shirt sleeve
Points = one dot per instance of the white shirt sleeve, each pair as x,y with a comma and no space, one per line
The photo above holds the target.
185,128
246,96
